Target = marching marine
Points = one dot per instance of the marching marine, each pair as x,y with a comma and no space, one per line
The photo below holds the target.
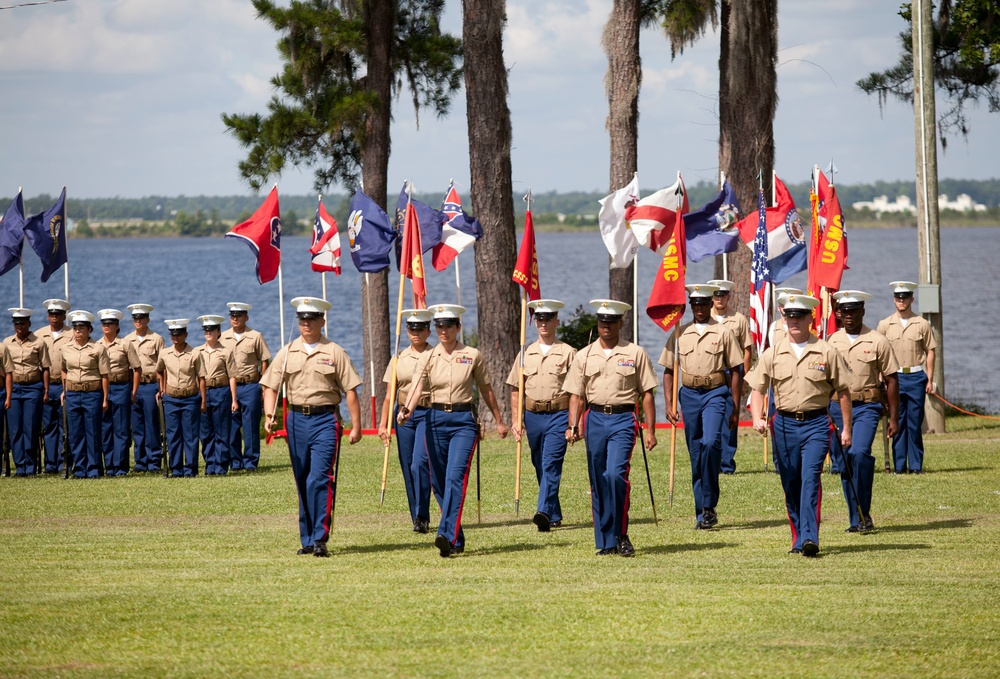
740,327
252,356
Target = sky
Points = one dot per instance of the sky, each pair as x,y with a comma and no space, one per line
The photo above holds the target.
124,98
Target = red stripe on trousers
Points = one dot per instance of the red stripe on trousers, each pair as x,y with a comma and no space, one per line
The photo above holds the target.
339,429
465,487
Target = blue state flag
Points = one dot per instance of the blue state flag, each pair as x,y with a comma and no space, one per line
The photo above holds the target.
46,233
12,235
370,234
712,229
431,223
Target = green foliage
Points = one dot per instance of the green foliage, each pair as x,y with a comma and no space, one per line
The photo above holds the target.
966,59
684,22
318,118
578,330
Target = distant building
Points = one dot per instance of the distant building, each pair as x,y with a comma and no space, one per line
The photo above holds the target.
902,204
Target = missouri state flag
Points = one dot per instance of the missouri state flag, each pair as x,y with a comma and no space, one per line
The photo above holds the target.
458,232
325,248
46,233
786,245
262,232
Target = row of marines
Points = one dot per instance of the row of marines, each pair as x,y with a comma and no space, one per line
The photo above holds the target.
116,389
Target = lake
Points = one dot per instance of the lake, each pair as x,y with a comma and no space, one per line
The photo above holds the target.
188,277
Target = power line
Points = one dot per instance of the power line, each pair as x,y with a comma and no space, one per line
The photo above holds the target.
30,4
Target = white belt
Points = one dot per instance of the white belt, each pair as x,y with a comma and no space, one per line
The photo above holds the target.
914,369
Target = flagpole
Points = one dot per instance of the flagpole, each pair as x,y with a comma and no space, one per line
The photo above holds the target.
371,350
20,266
673,428
725,255
65,235
322,275
635,297
519,415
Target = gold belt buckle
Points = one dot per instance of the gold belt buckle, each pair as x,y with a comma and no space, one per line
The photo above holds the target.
606,410
447,407
800,417
306,410
906,370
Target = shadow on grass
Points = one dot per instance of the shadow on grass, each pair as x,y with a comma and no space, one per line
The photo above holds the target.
956,469
382,547
507,549
874,547
769,523
931,525
687,547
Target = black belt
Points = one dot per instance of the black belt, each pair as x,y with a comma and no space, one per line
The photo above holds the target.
807,415
613,410
247,380
313,410
453,407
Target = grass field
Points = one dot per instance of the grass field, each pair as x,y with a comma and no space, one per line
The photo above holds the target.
146,576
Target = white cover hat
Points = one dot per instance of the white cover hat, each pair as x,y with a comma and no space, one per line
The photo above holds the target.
139,309
800,303
723,284
417,316
546,306
903,286
20,312
311,305
610,307
701,290
851,297
80,316
177,323
56,305
238,306
446,312
209,320
110,315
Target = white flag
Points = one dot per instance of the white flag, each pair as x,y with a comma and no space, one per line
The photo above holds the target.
652,219
618,237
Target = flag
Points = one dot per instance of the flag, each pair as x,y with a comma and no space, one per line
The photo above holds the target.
46,233
667,298
831,254
262,232
369,234
458,232
526,267
12,235
615,232
815,232
652,219
760,279
325,248
412,265
786,243
712,230
429,219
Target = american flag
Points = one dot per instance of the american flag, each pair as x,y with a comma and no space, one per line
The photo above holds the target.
760,281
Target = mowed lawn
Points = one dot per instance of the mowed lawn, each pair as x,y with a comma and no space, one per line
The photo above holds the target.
146,576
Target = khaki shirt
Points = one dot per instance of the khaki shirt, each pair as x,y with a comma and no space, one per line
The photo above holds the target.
406,364
800,384
182,369
776,332
714,351
315,379
29,357
618,379
739,326
6,362
148,349
544,374
121,355
867,357
216,364
56,345
85,364
450,378
249,352
909,344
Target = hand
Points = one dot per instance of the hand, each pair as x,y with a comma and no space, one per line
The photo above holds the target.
845,438
760,425
269,424
403,415
131,398
235,407
671,413
892,428
516,431
571,435
6,403
204,406
650,436
734,420
383,434
355,435
104,405
45,395
62,399
930,387
502,430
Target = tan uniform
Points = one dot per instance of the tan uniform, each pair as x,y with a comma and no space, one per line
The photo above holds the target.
122,358
544,375
867,357
703,359
776,332
249,352
909,344
6,362
617,379
147,348
29,357
182,370
56,345
406,365
313,379
216,365
738,324
800,384
450,378
84,366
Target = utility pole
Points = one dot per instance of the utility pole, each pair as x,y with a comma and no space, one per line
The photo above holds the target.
928,229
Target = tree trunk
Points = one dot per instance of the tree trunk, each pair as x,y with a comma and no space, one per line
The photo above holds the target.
748,99
492,190
622,82
380,20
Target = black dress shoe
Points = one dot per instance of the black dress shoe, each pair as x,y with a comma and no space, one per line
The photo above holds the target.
421,525
853,529
868,526
555,524
305,550
625,547
456,549
441,542
794,550
542,521
810,548
709,516
606,551
319,549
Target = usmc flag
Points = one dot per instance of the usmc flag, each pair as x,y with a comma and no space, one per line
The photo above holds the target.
526,267
411,262
262,232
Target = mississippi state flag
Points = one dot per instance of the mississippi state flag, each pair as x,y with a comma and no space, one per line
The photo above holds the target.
786,245
457,233
262,232
325,248
652,219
